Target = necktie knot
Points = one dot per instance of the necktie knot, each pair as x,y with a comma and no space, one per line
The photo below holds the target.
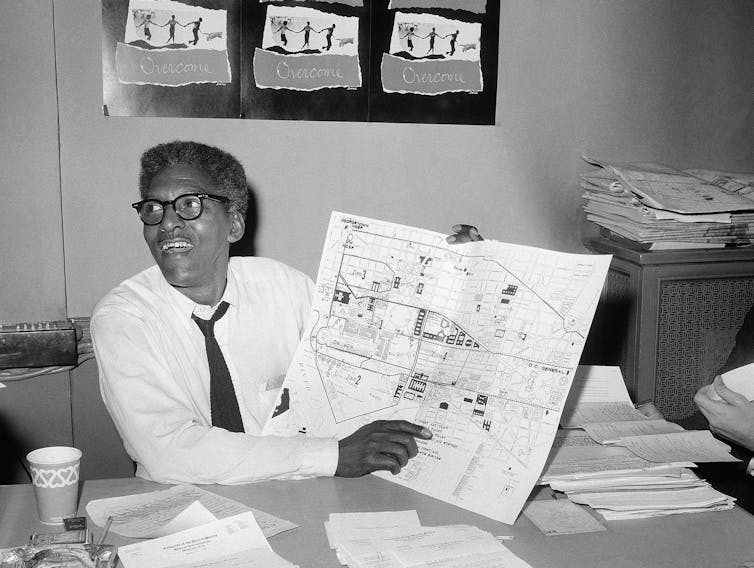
208,326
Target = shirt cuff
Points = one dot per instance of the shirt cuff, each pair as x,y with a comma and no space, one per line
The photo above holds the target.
322,457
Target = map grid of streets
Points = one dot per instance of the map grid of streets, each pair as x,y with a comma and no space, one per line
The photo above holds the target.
478,342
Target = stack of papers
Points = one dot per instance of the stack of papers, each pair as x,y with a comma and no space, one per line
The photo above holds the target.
396,539
619,505
233,541
183,524
652,203
160,513
623,464
618,484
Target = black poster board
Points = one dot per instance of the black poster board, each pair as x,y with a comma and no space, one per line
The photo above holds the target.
420,61
450,107
201,100
340,103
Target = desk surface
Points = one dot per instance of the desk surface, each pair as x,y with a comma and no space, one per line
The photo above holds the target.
699,539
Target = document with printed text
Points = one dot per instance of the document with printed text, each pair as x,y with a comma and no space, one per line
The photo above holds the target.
233,542
153,514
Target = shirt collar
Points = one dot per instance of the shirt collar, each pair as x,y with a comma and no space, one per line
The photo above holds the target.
186,306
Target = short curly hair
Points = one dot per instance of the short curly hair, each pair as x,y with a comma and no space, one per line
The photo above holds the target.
224,170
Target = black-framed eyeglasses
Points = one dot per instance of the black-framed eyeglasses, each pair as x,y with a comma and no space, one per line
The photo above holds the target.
187,206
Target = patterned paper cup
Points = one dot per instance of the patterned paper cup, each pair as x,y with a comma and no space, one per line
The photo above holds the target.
55,475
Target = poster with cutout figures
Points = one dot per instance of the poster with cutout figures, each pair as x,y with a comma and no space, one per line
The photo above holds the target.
420,61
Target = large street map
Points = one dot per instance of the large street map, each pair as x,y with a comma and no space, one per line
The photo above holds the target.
478,342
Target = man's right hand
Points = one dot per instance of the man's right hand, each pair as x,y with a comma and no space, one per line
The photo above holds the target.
380,445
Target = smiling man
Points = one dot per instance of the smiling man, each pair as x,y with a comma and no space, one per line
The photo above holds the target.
192,351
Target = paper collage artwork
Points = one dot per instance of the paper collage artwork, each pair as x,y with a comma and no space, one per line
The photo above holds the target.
431,55
173,44
418,61
306,49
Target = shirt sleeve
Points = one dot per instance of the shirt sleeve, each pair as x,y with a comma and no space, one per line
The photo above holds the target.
167,436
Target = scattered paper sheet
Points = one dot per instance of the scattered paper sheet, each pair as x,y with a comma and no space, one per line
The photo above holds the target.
611,432
561,516
502,559
436,547
698,218
652,478
352,526
573,437
658,500
148,515
598,394
646,513
574,454
445,542
690,445
740,380
235,541
740,183
588,412
666,188
570,460
192,516
597,383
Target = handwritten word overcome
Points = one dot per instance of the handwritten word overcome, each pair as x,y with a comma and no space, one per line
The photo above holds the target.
286,71
410,76
150,67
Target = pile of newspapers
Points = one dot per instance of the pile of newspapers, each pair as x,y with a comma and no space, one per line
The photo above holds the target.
397,539
612,457
657,205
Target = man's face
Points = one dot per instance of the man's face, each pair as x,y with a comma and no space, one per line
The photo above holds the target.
192,255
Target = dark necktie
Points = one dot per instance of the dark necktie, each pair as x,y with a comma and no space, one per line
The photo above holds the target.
222,395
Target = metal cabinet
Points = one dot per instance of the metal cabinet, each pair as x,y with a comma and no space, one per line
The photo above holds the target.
668,318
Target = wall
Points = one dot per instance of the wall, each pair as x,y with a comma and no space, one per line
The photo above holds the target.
638,80
32,275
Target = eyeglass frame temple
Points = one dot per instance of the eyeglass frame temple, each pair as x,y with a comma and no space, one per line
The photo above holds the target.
220,198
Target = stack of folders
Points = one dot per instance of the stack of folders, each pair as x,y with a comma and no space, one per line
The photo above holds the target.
613,458
396,539
664,208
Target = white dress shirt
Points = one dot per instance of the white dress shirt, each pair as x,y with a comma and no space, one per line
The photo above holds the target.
154,375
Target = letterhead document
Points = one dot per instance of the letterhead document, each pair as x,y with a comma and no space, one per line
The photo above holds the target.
233,542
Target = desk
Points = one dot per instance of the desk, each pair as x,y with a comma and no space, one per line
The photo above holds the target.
700,539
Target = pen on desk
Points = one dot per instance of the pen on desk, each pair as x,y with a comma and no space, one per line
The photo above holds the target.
101,540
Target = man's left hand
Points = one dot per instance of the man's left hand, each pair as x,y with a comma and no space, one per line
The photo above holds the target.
732,417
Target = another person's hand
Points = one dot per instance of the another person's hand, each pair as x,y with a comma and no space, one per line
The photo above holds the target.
383,444
732,417
464,234
649,410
